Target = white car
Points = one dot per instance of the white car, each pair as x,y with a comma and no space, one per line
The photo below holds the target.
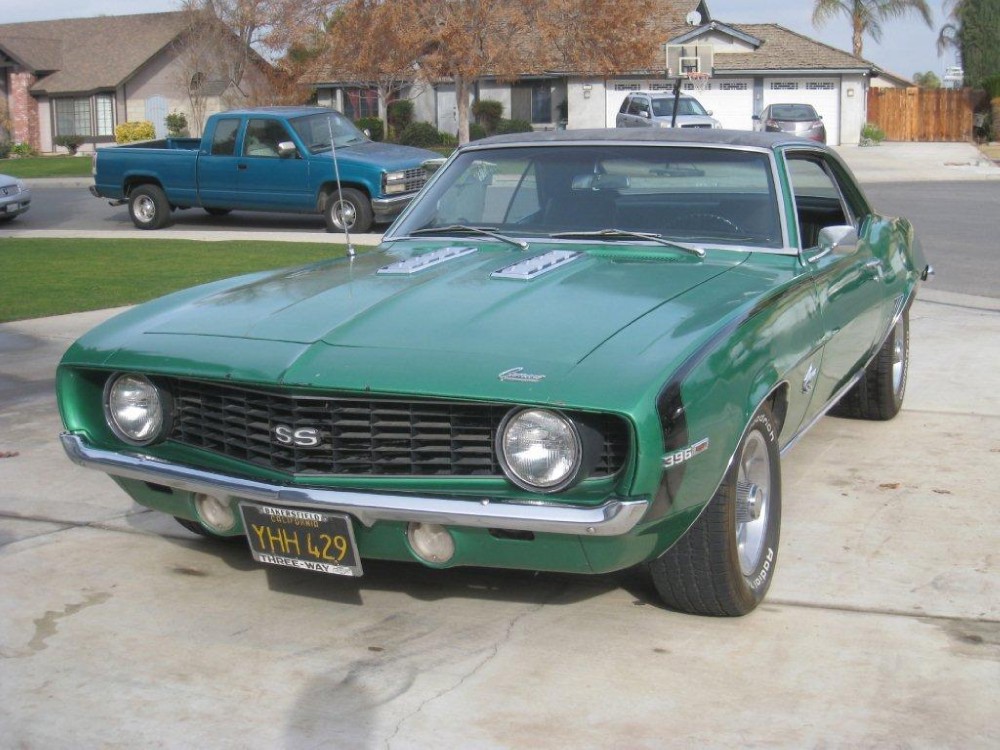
643,109
15,197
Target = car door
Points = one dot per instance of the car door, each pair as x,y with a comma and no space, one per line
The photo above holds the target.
218,161
272,179
848,277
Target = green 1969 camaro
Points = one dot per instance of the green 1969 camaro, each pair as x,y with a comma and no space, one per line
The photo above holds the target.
575,351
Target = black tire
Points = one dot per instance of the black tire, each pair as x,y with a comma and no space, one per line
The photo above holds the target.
218,211
723,565
350,205
149,208
879,394
197,528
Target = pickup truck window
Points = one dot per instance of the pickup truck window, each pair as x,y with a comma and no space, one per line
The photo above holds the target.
224,138
314,130
262,138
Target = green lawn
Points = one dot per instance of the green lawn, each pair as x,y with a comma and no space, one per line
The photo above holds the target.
47,166
42,277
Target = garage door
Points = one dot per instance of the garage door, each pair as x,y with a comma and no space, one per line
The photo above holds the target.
822,93
729,100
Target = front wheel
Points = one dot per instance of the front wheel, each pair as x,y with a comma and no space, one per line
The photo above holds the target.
879,394
148,206
723,565
348,209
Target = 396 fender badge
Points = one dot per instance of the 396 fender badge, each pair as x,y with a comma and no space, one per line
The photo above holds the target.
518,375
680,456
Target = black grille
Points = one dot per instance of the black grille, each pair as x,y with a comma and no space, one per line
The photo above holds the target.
356,437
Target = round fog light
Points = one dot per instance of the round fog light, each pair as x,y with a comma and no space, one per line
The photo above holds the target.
215,513
430,542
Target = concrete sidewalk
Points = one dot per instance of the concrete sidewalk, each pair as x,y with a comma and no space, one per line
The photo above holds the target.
918,162
120,629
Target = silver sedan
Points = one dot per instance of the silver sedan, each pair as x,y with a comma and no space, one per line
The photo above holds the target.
15,197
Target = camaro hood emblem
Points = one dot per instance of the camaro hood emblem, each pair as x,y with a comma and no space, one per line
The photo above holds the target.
518,375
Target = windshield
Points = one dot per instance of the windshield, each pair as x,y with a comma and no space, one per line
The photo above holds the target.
664,107
703,195
314,130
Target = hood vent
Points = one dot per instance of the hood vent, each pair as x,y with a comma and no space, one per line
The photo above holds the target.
532,268
419,263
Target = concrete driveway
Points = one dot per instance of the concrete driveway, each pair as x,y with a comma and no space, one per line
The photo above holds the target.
120,629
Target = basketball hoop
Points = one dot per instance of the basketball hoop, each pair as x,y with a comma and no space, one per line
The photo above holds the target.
699,81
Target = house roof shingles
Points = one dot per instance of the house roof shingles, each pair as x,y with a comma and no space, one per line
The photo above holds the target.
89,54
784,49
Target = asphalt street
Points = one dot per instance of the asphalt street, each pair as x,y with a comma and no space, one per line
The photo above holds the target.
120,629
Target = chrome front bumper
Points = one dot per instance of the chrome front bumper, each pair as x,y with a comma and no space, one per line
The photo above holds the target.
613,518
389,208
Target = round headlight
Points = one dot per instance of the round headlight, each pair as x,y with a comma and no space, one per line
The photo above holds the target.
540,450
135,409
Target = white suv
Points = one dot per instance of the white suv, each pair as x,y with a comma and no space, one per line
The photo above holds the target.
642,109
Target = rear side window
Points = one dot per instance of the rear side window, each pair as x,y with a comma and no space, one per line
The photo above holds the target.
224,137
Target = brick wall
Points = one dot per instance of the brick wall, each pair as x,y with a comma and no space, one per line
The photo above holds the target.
24,109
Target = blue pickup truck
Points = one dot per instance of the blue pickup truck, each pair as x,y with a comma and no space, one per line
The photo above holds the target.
265,159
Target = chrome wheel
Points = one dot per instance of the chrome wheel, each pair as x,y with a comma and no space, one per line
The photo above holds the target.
753,491
899,357
144,208
344,214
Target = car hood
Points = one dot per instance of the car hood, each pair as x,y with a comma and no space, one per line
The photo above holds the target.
685,120
387,156
442,330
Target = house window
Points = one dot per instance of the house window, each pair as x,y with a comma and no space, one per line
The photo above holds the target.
360,103
820,86
784,86
86,116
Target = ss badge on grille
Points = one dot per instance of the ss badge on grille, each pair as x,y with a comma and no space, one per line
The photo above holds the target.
304,437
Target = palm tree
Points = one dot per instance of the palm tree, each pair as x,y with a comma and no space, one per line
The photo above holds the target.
867,16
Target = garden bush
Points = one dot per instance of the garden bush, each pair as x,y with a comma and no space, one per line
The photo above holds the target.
872,134
400,115
130,132
489,114
420,134
5,147
23,150
513,126
177,124
373,125
992,86
476,131
71,143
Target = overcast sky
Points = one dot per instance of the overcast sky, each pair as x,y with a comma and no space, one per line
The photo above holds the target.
907,47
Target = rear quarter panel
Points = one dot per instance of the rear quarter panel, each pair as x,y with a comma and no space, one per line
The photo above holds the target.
175,170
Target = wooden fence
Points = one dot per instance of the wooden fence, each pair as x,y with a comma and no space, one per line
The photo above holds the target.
922,114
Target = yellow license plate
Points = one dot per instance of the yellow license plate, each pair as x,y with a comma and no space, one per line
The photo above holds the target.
301,538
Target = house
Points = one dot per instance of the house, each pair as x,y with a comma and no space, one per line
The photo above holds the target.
751,66
84,76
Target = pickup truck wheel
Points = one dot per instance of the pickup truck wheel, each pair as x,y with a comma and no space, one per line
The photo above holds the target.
879,394
149,208
218,211
724,563
351,208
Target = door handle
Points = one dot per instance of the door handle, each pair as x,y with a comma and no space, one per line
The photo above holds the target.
241,167
874,267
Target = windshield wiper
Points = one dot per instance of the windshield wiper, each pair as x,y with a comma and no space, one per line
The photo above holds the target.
624,234
452,228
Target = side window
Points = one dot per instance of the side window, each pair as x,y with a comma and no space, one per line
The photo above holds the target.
625,103
263,137
818,199
224,137
642,105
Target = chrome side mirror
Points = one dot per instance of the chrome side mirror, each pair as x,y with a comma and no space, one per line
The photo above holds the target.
286,149
842,240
